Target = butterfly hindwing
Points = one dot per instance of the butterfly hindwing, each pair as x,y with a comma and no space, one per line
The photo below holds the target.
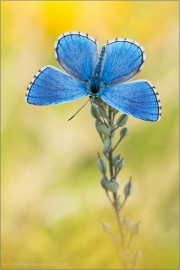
76,53
124,58
51,86
139,99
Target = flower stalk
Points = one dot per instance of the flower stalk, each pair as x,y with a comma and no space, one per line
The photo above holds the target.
107,127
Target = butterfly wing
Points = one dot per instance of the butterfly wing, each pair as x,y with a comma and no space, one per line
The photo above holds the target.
124,58
51,86
76,53
139,99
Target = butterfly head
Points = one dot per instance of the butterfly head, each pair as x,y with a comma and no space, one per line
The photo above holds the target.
94,89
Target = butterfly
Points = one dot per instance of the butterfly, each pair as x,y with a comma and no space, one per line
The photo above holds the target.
101,74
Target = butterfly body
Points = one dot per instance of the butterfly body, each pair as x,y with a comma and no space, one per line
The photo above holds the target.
103,74
95,86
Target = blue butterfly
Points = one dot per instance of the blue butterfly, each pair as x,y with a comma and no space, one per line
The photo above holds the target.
104,74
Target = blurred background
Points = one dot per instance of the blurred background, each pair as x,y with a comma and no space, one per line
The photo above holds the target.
52,201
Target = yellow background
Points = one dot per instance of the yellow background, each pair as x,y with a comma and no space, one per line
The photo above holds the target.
52,202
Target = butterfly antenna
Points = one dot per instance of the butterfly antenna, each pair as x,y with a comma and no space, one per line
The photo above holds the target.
78,110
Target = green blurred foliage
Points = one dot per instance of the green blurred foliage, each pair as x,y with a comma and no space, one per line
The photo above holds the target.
52,201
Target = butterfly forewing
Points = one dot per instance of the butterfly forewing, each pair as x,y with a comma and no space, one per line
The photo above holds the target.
76,53
51,86
123,60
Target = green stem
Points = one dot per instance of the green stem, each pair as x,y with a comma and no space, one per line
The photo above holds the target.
117,172
118,218
111,120
109,198
117,144
115,128
110,152
125,198
131,237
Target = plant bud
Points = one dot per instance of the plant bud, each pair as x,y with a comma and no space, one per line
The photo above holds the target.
115,158
126,223
97,122
125,256
112,185
122,120
107,146
104,182
95,112
102,165
109,136
106,137
104,103
128,188
135,228
107,227
115,111
96,101
136,258
120,163
123,132
102,128
102,110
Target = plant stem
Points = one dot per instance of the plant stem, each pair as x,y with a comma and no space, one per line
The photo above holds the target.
123,203
110,152
131,237
115,128
117,144
111,118
118,218
109,198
